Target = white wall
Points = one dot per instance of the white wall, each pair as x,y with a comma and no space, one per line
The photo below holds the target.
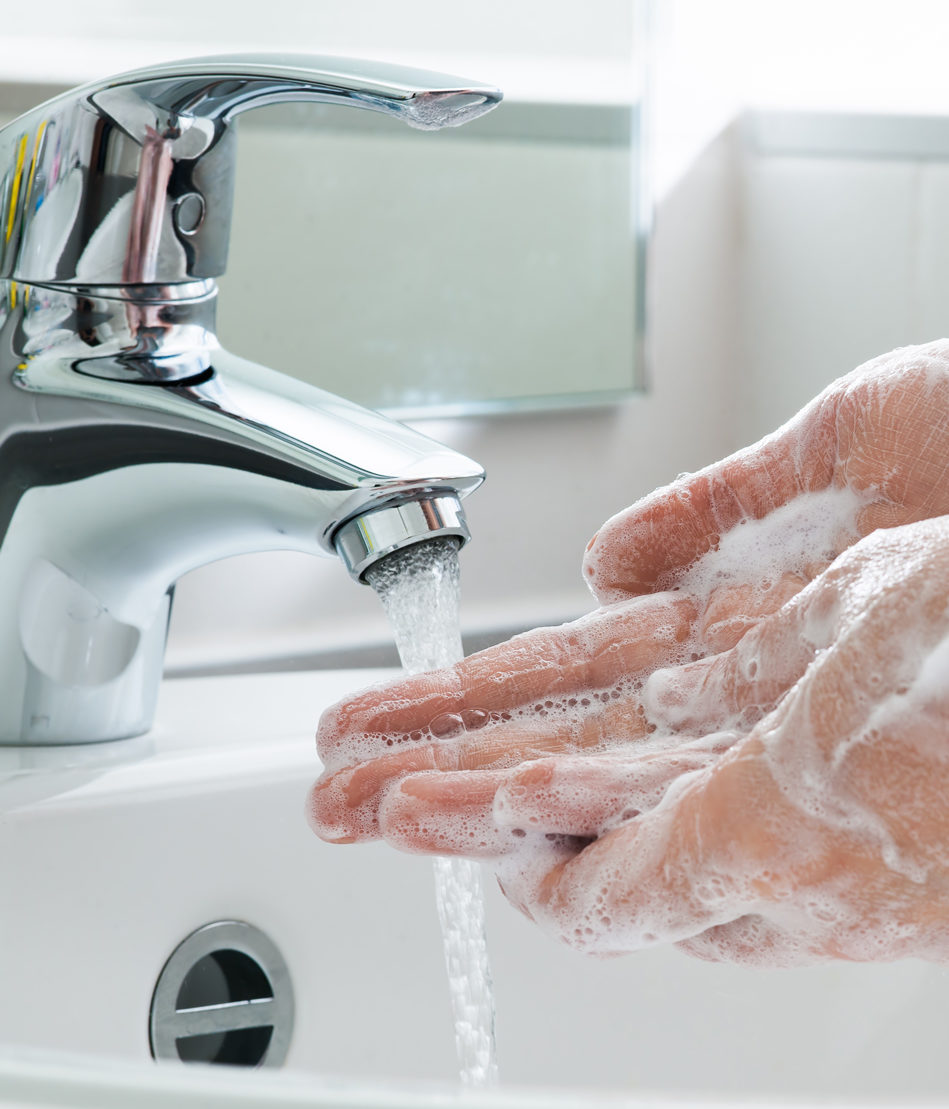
403,269
529,44
843,259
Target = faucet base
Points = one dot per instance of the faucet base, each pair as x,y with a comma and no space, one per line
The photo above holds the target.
96,679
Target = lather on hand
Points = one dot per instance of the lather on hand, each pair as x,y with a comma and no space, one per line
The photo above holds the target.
745,756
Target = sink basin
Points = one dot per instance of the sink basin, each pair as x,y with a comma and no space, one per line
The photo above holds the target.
114,854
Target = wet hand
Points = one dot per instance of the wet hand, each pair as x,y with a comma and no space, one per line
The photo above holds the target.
566,691
552,753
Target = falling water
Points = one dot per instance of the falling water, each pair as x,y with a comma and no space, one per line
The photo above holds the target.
419,588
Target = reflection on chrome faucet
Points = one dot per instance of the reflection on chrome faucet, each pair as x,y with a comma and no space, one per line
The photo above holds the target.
133,448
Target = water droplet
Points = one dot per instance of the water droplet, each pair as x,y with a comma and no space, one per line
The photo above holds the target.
446,726
474,718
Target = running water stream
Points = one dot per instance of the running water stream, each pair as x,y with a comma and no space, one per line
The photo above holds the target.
420,591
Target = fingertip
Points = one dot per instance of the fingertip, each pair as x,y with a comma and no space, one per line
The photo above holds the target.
344,733
325,815
606,566
328,731
510,897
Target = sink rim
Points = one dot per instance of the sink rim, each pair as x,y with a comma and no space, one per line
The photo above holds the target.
209,732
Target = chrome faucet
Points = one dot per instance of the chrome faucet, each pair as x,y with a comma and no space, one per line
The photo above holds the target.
133,448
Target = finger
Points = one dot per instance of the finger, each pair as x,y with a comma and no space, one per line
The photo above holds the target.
645,547
344,804
754,941
446,814
881,432
489,812
707,855
551,670
736,688
589,795
894,432
733,610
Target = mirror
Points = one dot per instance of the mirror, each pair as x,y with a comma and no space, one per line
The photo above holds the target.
494,266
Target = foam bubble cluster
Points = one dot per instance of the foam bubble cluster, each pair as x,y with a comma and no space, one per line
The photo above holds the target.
810,530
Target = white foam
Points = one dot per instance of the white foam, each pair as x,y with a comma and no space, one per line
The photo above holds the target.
810,529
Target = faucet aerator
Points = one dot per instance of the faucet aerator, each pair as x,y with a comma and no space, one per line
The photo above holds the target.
362,541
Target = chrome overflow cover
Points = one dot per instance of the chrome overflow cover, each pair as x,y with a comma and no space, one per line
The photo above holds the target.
224,996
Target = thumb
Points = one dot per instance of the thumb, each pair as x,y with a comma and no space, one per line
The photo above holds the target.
735,688
703,858
646,546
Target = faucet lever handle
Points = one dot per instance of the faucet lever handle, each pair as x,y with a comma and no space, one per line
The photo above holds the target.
220,87
129,181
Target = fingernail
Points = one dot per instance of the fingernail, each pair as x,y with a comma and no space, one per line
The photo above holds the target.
535,774
420,787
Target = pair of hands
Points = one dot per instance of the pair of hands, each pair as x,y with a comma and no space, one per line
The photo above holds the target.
745,750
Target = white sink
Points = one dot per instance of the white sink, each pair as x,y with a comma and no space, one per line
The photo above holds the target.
112,855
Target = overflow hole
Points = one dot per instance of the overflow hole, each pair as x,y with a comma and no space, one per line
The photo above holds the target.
223,997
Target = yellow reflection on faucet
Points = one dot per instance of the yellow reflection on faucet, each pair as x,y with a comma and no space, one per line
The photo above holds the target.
38,142
15,191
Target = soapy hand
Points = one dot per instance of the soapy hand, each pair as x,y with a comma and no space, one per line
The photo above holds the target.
749,763
822,831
